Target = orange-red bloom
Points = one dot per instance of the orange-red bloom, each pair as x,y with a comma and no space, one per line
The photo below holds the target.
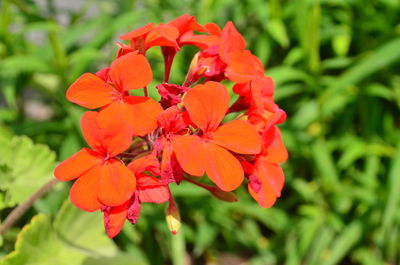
149,189
209,151
101,178
131,71
266,176
140,146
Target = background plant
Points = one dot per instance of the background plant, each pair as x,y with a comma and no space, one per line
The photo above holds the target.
336,69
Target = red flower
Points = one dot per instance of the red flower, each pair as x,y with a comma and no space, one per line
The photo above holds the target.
208,152
172,124
111,93
170,94
101,178
227,55
266,176
148,36
182,132
149,189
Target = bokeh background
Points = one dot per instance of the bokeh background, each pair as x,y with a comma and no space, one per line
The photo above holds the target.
336,67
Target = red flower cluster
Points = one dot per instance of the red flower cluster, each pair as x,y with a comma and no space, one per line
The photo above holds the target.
139,146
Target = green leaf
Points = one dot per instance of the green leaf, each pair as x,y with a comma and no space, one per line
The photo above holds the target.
83,230
24,168
284,74
373,62
120,259
205,237
36,244
74,237
320,243
278,31
393,200
344,242
324,163
26,63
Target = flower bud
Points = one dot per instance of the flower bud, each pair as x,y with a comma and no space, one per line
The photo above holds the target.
173,218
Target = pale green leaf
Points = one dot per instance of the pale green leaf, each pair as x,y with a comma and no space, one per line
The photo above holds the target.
25,167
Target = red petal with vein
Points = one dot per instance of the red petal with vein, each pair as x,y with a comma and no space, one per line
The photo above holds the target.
83,193
77,165
189,152
137,32
138,113
167,174
134,209
142,114
272,179
231,41
265,85
117,183
276,150
222,167
130,71
207,104
171,120
114,219
109,138
152,190
238,136
213,29
243,67
185,23
243,89
147,163
163,35
103,74
201,41
90,91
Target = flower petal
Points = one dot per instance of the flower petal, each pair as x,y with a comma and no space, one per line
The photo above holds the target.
83,192
189,151
139,114
222,167
201,41
130,71
114,219
143,114
146,163
231,41
77,165
238,136
272,179
162,35
276,150
117,183
185,23
171,171
243,67
90,91
213,29
137,32
105,135
207,104
152,189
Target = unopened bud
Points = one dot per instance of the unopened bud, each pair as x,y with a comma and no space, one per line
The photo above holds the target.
194,71
173,218
193,63
223,195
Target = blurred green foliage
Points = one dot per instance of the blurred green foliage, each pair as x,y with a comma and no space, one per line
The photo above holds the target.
336,66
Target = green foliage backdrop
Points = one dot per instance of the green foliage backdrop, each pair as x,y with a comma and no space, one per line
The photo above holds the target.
336,66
